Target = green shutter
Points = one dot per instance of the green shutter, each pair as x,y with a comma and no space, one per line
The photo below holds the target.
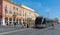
10,12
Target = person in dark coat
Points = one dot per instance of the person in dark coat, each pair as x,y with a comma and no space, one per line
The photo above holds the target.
27,26
52,26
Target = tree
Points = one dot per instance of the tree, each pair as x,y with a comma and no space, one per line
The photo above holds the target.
56,19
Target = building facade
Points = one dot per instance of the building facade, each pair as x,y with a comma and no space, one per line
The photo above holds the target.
13,14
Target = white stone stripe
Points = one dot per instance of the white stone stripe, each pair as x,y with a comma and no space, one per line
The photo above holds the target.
13,31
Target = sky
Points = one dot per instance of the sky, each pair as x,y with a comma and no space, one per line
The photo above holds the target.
47,8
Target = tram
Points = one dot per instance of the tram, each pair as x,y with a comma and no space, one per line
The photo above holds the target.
42,22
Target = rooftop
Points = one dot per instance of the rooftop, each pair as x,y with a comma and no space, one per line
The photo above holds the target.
26,7
20,5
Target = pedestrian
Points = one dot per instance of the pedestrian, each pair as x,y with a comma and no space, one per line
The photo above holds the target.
27,26
57,22
24,23
52,26
7,24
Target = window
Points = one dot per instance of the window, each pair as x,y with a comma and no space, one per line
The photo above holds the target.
14,19
14,8
10,12
17,9
20,22
38,20
6,19
10,19
15,14
19,14
5,6
23,14
17,21
30,13
10,7
6,11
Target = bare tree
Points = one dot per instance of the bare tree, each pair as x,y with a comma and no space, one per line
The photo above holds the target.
56,19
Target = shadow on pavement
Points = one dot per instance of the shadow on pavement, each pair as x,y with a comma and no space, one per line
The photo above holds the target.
38,27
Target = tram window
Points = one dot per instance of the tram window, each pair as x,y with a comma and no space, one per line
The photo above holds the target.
44,22
38,20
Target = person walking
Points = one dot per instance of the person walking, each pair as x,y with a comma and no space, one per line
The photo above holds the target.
52,26
27,25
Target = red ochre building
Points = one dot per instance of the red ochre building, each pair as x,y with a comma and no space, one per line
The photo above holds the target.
11,13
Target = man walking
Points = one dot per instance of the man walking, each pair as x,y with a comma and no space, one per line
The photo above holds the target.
52,26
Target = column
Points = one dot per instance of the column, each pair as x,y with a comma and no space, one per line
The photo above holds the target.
12,21
18,22
3,22
15,21
0,21
8,21
22,22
